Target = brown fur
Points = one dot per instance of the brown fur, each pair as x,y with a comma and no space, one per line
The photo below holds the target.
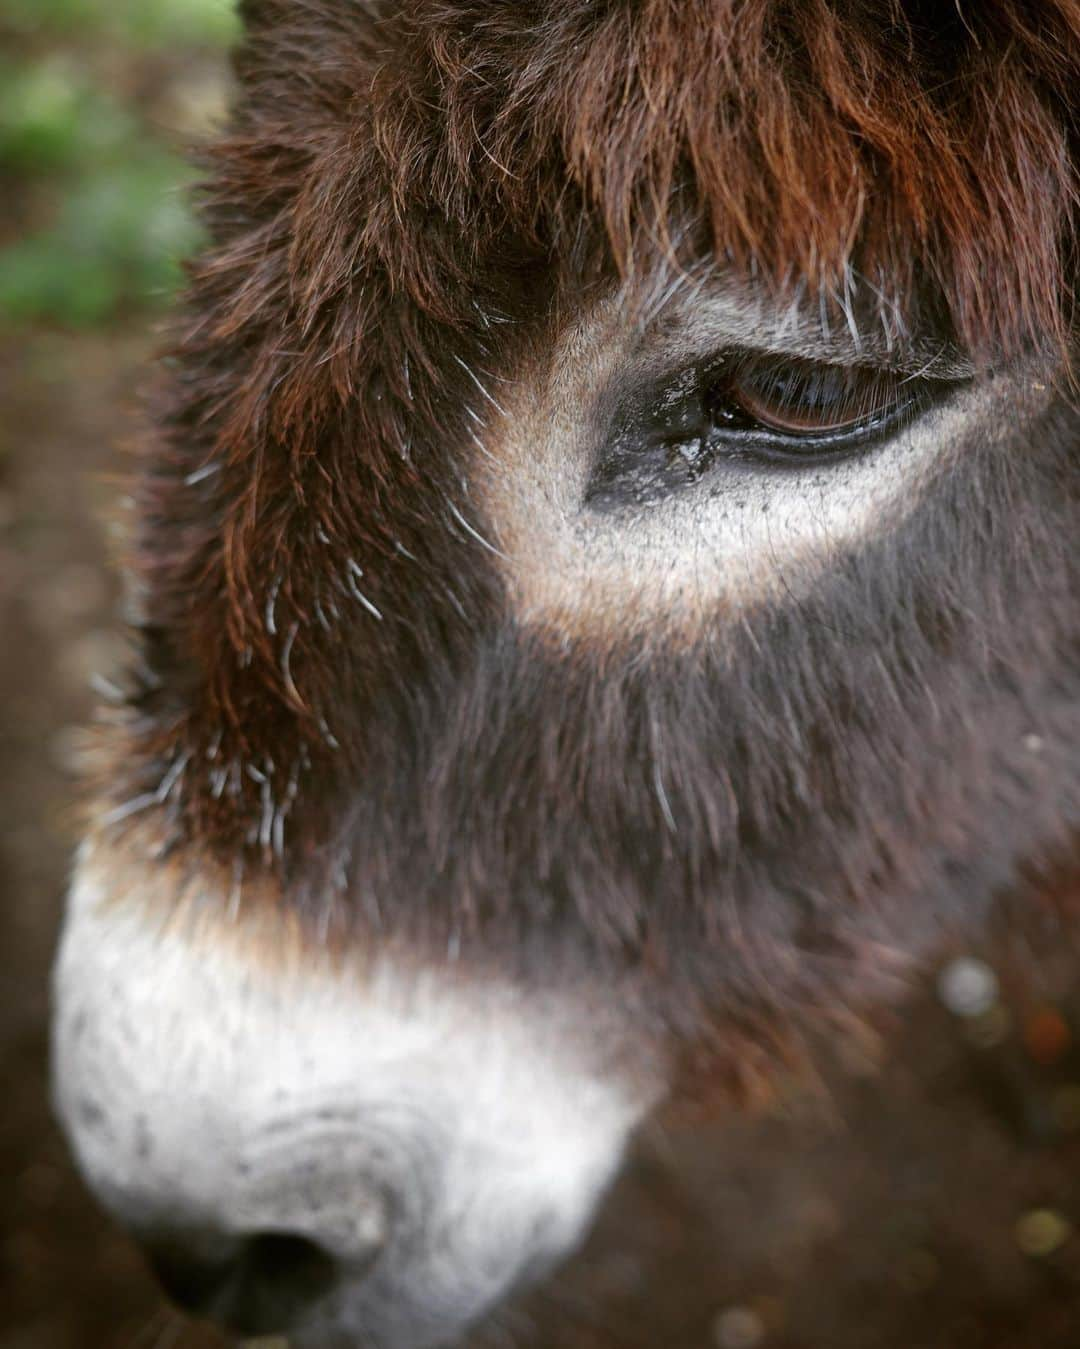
330,689
334,702
398,179
323,691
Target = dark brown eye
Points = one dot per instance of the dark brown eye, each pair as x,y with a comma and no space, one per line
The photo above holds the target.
797,400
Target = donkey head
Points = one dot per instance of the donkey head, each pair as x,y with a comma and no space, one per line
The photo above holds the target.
604,593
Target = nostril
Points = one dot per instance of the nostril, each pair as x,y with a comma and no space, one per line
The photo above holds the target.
286,1262
193,1281
255,1284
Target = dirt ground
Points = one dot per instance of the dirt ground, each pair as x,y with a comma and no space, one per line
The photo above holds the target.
932,1206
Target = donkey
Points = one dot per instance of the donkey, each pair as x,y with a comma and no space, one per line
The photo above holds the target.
604,611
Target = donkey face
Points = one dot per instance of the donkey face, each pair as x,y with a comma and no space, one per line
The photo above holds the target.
606,613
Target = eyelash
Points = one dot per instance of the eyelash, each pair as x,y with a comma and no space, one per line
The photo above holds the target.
793,408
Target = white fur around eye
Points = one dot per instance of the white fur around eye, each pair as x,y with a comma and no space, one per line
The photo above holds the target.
743,535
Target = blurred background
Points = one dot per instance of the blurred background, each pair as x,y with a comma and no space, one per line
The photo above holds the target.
931,1204
99,102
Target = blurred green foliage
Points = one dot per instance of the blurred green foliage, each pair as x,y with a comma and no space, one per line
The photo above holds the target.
141,21
95,101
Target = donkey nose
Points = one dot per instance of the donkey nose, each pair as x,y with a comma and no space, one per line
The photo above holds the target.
255,1284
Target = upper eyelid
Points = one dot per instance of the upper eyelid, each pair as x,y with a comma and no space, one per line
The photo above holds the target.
729,314
717,363
941,366
926,358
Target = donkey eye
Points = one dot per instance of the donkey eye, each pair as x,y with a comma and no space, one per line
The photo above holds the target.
809,407
747,409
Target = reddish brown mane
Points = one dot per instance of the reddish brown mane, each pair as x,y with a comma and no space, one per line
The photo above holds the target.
916,141
397,183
